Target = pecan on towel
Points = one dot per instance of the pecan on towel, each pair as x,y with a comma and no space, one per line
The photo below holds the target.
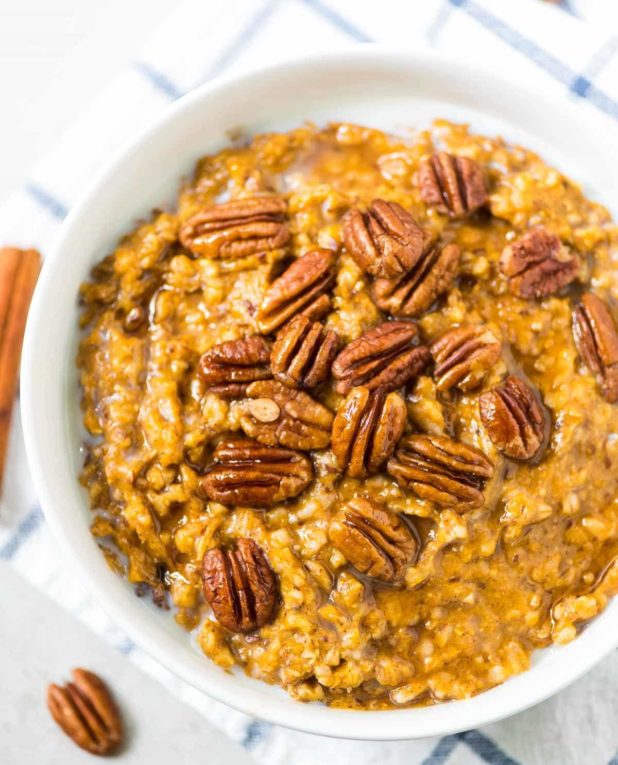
386,356
416,291
453,185
240,586
538,264
444,471
376,541
514,419
247,472
385,241
303,353
596,338
237,228
366,429
86,712
277,415
301,289
464,356
228,368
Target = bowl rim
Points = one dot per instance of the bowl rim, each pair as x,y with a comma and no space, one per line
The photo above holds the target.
495,704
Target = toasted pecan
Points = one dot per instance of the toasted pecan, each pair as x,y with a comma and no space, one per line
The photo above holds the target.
302,289
303,353
240,586
86,712
301,421
385,240
366,429
416,291
453,185
237,228
229,367
538,264
464,356
376,541
514,419
442,470
388,356
596,337
246,472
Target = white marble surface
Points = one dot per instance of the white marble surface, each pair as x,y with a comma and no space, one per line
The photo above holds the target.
39,644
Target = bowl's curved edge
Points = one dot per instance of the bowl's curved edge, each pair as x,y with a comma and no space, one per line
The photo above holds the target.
396,724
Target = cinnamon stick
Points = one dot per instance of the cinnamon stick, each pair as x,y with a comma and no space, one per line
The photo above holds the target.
19,270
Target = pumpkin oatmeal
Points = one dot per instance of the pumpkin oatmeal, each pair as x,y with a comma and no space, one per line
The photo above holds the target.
352,408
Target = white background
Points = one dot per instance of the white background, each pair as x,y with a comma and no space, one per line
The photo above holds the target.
54,57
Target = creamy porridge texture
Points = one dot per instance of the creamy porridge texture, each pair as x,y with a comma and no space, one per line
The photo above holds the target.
352,411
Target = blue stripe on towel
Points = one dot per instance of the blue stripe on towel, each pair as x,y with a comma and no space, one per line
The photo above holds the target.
236,46
581,85
47,200
339,21
601,57
485,748
480,744
566,6
516,40
25,529
255,733
602,101
578,84
126,646
445,11
160,81
541,57
442,751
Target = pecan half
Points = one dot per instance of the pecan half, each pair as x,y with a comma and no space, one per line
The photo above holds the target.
514,419
596,338
538,264
415,292
301,289
366,429
387,355
385,241
453,185
248,473
376,541
229,367
464,356
240,586
294,419
303,353
237,228
444,471
86,712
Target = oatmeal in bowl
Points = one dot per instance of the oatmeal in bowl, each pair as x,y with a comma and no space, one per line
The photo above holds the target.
352,416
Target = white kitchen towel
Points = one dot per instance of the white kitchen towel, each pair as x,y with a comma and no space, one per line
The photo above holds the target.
553,43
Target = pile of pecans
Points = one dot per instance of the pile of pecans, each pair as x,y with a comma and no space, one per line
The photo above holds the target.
276,374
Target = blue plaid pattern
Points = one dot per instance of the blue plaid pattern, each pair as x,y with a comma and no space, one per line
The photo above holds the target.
580,84
27,527
577,83
47,201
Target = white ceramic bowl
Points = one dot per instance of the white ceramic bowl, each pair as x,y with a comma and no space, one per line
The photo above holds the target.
372,86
